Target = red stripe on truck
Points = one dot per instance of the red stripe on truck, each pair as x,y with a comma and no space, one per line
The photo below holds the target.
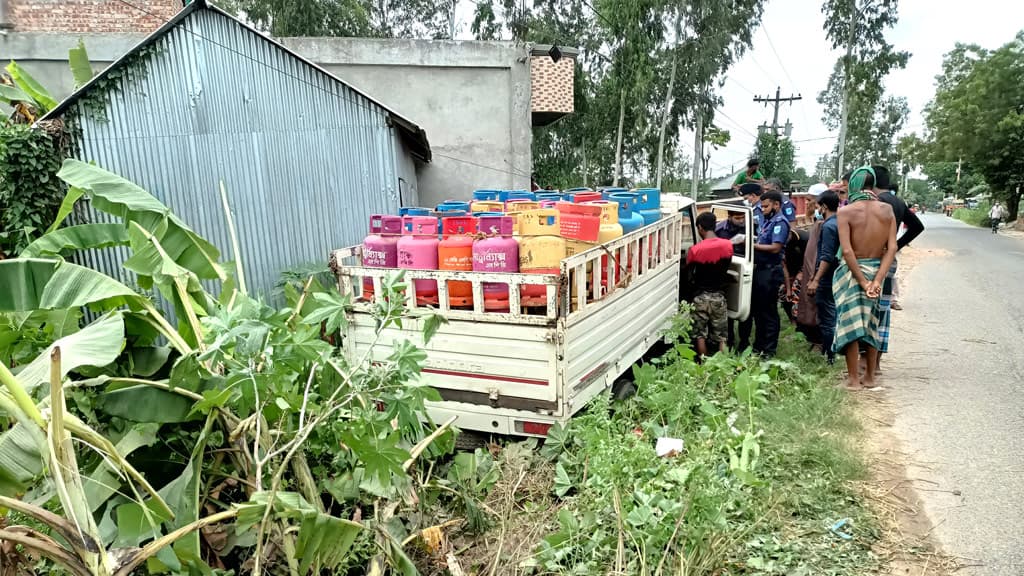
485,377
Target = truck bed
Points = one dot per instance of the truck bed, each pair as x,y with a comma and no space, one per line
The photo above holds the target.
521,371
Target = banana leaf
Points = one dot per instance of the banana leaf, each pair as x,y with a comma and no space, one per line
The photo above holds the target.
98,344
23,80
67,205
11,94
81,237
81,69
28,284
120,197
103,482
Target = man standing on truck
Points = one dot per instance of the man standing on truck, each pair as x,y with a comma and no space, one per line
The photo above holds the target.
867,237
768,275
751,175
709,262
820,286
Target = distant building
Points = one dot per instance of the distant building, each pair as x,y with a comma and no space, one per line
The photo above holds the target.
86,16
306,158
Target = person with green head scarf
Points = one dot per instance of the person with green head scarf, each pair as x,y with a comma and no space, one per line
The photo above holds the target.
867,237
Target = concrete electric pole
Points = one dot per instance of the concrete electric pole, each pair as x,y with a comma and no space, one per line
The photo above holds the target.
776,102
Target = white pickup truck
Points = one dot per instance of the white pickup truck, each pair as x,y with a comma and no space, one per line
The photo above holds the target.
521,371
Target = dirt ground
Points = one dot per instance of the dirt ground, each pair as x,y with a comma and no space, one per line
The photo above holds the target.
907,544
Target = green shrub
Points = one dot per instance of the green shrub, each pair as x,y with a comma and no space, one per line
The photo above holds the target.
975,217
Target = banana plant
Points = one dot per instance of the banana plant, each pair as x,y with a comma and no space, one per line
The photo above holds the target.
223,353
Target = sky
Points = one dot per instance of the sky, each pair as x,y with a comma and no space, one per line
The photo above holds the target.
790,52
802,60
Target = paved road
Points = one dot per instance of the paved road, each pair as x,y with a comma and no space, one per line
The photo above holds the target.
955,377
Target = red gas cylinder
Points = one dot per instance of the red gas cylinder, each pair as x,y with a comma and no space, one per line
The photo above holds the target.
455,252
380,248
417,250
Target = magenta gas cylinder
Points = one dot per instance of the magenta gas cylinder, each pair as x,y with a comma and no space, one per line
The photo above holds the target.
417,250
380,248
496,251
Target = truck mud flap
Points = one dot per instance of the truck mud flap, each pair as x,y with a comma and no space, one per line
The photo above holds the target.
482,399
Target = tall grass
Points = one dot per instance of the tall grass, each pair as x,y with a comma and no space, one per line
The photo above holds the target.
976,216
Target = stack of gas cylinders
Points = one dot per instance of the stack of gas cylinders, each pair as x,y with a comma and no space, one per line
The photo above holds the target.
503,231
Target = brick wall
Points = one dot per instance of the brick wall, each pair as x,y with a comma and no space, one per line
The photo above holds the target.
84,16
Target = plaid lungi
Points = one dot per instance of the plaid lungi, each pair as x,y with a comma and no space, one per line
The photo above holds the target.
885,309
856,312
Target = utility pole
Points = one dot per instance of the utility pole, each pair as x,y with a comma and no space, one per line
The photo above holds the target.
776,101
698,153
847,66
958,162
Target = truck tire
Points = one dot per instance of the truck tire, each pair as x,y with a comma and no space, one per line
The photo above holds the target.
623,389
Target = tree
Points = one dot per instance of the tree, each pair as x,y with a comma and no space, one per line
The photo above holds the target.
978,115
872,57
942,176
374,18
777,155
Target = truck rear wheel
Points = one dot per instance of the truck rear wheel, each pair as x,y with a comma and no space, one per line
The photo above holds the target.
623,389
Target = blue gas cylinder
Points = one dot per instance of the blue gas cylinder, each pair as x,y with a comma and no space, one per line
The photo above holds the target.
413,211
452,205
518,195
649,204
486,194
629,218
607,191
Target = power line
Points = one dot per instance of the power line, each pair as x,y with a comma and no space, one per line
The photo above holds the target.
738,125
772,46
736,82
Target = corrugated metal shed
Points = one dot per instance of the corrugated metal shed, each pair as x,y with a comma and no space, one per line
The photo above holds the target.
305,157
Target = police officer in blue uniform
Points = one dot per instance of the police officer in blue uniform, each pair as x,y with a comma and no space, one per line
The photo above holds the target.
751,193
768,275
788,208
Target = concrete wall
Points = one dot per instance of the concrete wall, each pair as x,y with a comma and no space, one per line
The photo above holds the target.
45,56
472,98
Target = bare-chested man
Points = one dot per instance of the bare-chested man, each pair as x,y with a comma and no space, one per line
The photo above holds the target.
867,237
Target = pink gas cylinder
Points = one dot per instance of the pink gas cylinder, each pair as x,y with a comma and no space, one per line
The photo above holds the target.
417,250
455,252
497,251
380,248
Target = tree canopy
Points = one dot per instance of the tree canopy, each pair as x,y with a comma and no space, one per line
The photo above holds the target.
874,119
978,115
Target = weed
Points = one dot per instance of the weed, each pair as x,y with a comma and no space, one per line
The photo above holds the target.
765,474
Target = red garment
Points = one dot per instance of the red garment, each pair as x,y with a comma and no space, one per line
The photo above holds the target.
709,251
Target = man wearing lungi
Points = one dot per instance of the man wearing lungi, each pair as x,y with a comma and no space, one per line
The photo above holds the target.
867,239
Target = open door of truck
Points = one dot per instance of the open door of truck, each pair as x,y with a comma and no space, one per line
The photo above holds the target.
742,268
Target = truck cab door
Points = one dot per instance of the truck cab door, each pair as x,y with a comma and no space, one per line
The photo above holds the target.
742,268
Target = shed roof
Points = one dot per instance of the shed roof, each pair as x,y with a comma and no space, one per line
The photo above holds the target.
725,183
412,134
